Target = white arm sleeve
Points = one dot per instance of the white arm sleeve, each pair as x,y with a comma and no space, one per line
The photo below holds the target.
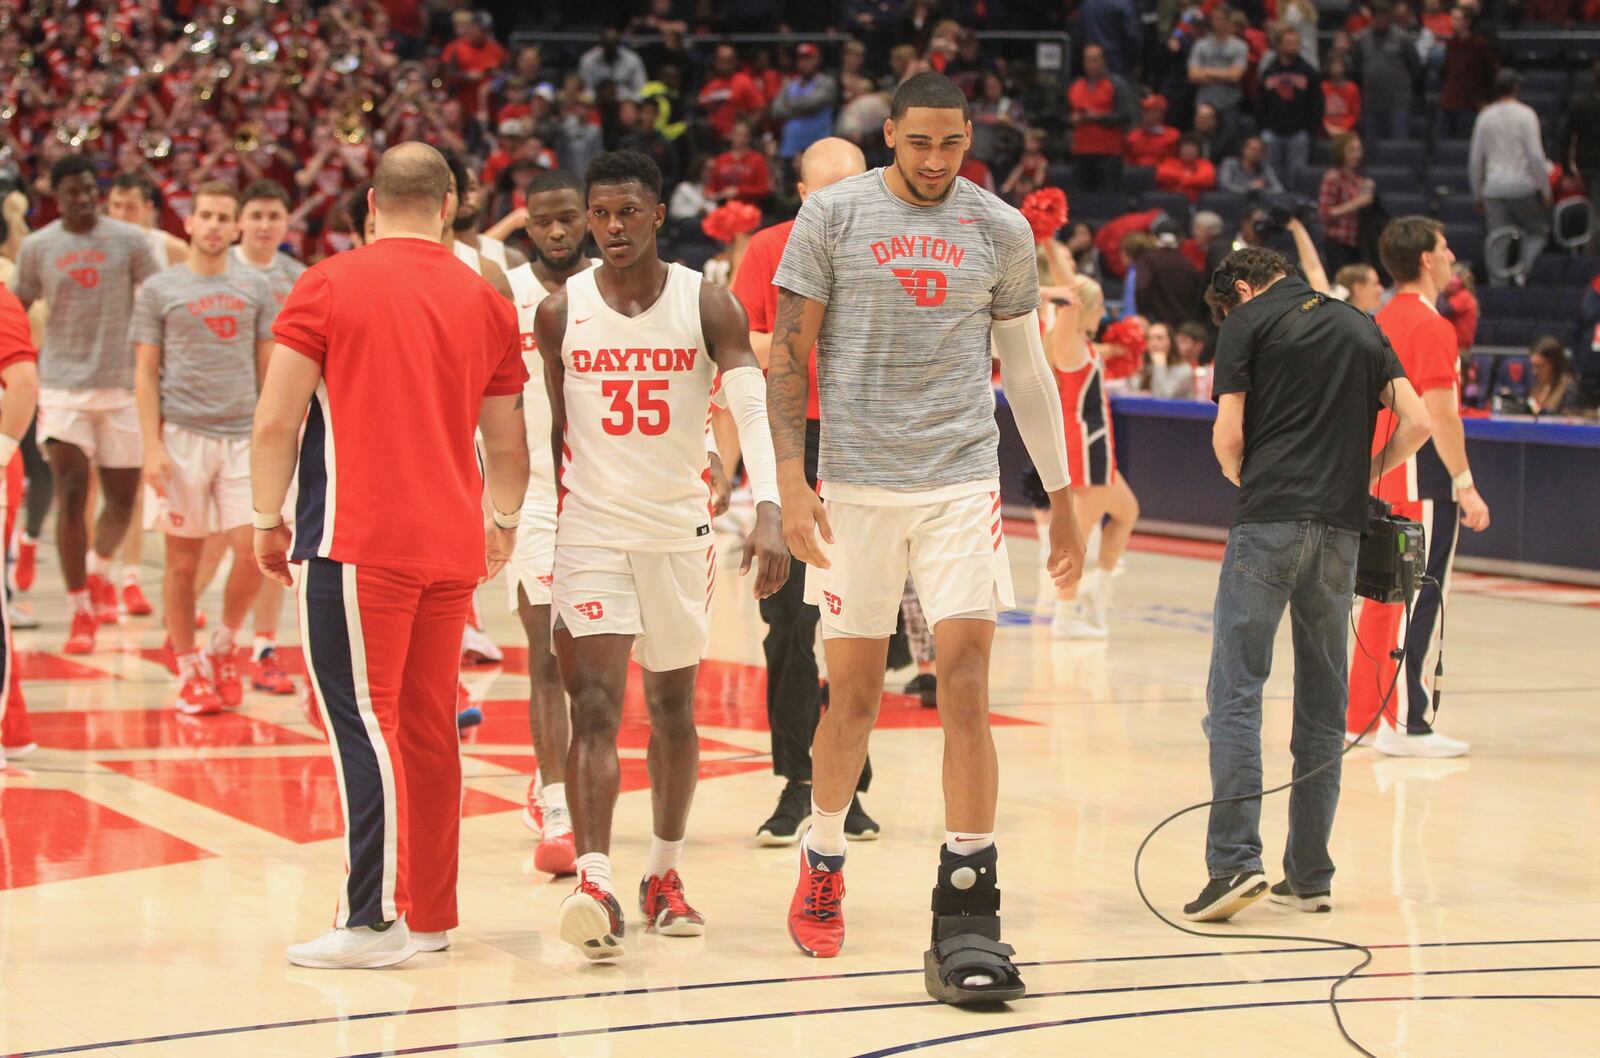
1031,392
746,391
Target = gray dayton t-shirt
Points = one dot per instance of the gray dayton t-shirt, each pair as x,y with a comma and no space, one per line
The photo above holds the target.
281,274
89,281
903,359
207,328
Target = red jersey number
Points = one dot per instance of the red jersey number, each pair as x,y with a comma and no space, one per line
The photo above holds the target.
649,413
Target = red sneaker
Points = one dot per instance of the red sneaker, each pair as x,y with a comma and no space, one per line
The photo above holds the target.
533,808
134,602
225,678
103,599
27,563
16,731
662,902
816,914
80,640
266,677
591,921
557,853
198,698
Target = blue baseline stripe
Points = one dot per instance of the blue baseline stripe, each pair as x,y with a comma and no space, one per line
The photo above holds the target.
311,507
710,985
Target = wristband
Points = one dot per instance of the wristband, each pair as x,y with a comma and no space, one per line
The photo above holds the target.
508,521
8,448
265,522
1462,481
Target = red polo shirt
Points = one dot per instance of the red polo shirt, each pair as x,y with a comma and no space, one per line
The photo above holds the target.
753,287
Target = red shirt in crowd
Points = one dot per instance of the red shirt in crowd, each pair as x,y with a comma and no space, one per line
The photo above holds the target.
399,324
1108,240
1426,345
1096,98
727,99
745,171
1341,105
1188,178
1150,146
753,287
470,59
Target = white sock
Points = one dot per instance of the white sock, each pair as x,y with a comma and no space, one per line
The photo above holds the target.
130,574
96,565
963,844
664,857
554,796
596,867
78,601
264,642
222,638
189,665
827,830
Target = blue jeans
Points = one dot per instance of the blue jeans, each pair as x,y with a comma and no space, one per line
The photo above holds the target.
1288,154
1310,568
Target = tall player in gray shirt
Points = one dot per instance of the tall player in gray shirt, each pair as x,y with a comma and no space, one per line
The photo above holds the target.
902,277
202,333
87,267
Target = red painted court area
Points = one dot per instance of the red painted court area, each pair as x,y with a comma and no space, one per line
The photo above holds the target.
57,836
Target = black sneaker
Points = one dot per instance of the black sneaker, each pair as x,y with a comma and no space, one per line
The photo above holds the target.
858,826
1284,895
925,686
1223,898
789,819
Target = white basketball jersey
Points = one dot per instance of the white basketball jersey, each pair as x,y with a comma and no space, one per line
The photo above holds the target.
494,250
634,472
539,506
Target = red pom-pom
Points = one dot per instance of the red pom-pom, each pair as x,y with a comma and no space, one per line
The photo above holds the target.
725,223
1127,336
1046,211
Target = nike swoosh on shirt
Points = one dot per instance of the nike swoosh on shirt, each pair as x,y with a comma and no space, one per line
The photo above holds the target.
966,220
526,305
580,323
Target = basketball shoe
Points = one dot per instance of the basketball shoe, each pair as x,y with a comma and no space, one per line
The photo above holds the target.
794,809
533,807
1222,898
816,914
226,679
591,921
662,903
478,649
267,677
134,603
103,599
197,697
1283,895
355,948
557,853
80,637
468,712
27,563
16,730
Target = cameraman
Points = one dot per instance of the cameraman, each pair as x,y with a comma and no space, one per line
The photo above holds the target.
1298,381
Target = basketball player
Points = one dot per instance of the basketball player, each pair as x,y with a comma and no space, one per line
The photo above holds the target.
1434,487
263,226
469,217
557,226
794,695
202,333
631,349
19,393
388,560
87,267
901,278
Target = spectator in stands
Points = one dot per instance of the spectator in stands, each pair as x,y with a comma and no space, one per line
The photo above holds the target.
1169,285
1188,173
1289,106
1217,65
1341,98
997,124
1157,352
471,57
1438,28
644,136
731,93
1580,146
1458,303
1031,171
1510,177
805,105
1359,285
1216,140
1553,392
866,108
1085,255
740,172
1205,248
578,137
1249,174
1344,194
691,203
1470,67
1300,18
1102,111
1113,26
611,61
1174,379
1135,246
1154,141
1389,69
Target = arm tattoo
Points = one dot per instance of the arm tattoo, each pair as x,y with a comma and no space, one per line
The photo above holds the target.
787,380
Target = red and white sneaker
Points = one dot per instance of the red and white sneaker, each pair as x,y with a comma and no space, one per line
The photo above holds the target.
225,678
27,563
266,677
134,603
198,698
533,807
478,649
591,921
816,914
80,639
662,902
557,853
103,600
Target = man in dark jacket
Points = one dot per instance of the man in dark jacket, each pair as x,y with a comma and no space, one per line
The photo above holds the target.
1289,107
1169,286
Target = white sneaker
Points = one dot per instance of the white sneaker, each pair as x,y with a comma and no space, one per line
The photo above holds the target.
478,648
430,941
1071,623
359,948
18,752
1363,739
1397,744
22,616
1097,600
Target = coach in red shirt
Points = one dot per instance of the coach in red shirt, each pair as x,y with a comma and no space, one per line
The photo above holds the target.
391,356
19,378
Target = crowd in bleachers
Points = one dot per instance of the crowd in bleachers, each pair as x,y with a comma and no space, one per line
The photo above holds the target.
1190,121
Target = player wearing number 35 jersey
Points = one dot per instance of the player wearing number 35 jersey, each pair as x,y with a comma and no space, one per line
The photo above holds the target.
631,349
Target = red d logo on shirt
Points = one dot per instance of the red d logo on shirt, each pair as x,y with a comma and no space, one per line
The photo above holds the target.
223,326
87,278
926,285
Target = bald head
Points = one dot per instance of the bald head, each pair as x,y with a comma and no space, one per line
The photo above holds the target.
827,162
412,179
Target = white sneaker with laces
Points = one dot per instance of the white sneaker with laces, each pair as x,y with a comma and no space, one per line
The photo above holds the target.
430,941
357,948
477,646
1397,743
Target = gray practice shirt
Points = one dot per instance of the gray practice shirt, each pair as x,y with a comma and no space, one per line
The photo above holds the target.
281,274
1209,53
89,281
207,328
903,359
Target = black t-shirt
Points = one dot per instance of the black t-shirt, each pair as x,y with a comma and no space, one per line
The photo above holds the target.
1312,370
